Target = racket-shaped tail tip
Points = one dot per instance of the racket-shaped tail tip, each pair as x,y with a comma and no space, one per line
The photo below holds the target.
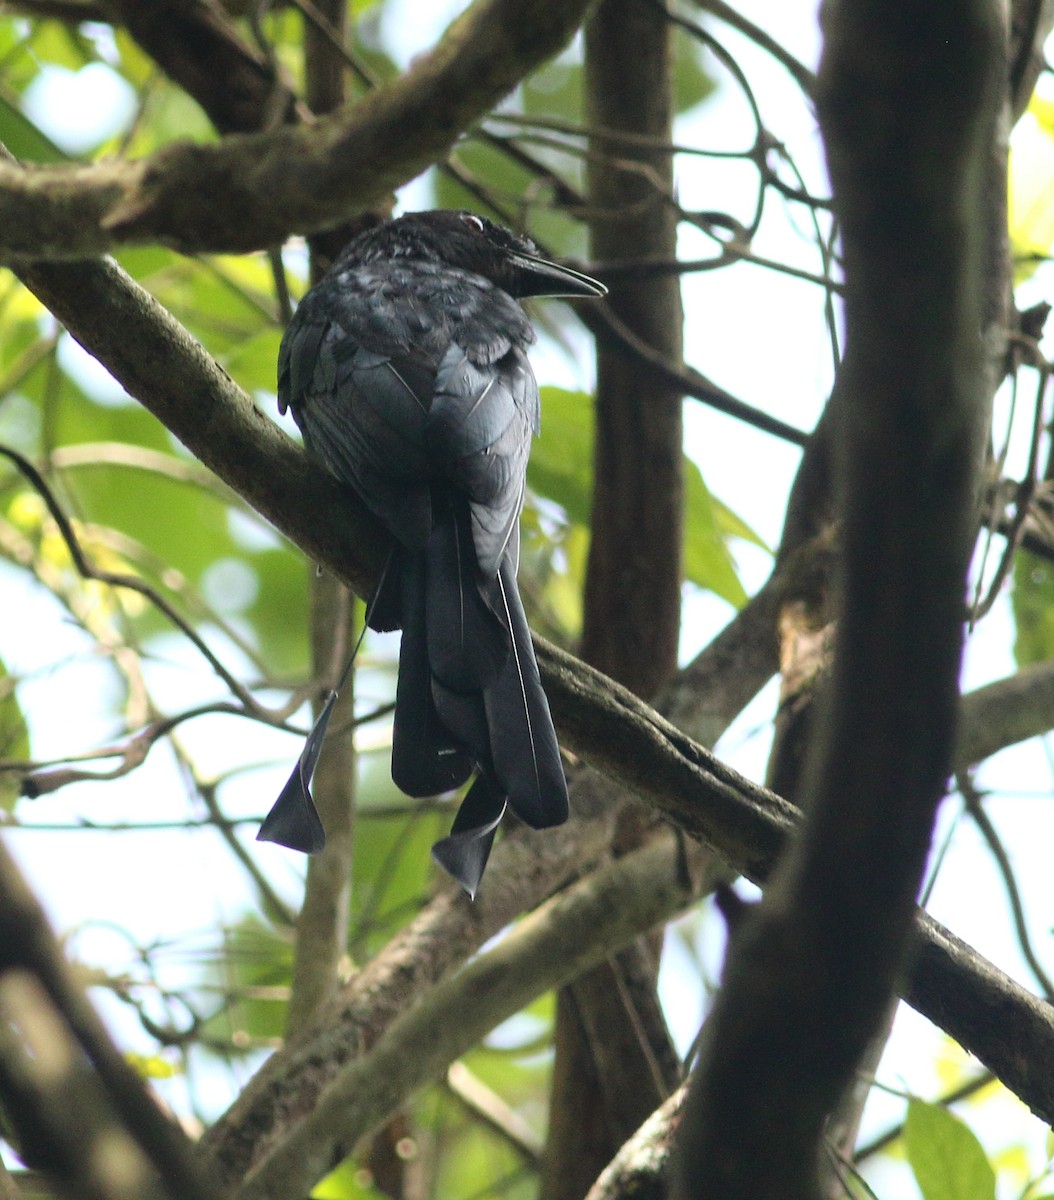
293,821
464,852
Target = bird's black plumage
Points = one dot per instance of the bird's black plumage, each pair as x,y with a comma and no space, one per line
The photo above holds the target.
406,369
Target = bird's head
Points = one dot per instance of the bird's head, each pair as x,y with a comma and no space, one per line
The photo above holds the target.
474,243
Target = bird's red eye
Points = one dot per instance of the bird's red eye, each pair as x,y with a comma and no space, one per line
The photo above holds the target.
473,222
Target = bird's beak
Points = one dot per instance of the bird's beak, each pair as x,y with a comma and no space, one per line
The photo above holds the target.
537,277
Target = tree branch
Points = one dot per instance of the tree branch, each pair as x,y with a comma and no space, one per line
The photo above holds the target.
199,48
811,972
571,933
528,866
640,1169
254,190
1003,713
27,945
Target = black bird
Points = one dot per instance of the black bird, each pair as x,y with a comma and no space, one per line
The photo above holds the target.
406,370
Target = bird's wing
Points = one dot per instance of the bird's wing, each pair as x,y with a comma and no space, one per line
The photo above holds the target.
364,414
479,432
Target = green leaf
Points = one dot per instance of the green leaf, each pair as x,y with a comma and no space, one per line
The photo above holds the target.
948,1160
733,525
14,738
255,969
504,177
707,560
1032,603
144,262
691,81
392,865
170,115
561,469
561,463
348,1182
554,90
279,614
152,1066
61,44
24,139
252,362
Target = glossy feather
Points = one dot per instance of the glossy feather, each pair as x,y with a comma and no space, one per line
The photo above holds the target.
406,370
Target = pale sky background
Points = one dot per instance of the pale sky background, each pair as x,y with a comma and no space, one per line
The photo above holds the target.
161,887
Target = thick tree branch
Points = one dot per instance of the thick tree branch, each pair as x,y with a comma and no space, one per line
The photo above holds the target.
29,948
159,363
198,46
951,984
255,190
907,102
569,934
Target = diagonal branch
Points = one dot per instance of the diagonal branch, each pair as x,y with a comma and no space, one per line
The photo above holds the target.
951,984
159,363
254,190
168,371
198,46
571,933
27,942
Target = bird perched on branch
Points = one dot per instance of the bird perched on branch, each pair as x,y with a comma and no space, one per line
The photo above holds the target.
406,370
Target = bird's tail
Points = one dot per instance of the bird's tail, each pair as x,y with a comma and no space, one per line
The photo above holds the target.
510,732
426,759
523,748
469,694
485,688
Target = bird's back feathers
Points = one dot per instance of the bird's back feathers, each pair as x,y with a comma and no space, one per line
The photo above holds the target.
406,370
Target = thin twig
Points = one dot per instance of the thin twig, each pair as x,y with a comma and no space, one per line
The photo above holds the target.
962,1092
974,806
805,79
88,570
1025,494
602,322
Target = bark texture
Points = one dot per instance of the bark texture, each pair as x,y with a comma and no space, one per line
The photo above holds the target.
908,102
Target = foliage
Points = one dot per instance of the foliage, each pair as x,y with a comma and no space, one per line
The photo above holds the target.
946,1157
